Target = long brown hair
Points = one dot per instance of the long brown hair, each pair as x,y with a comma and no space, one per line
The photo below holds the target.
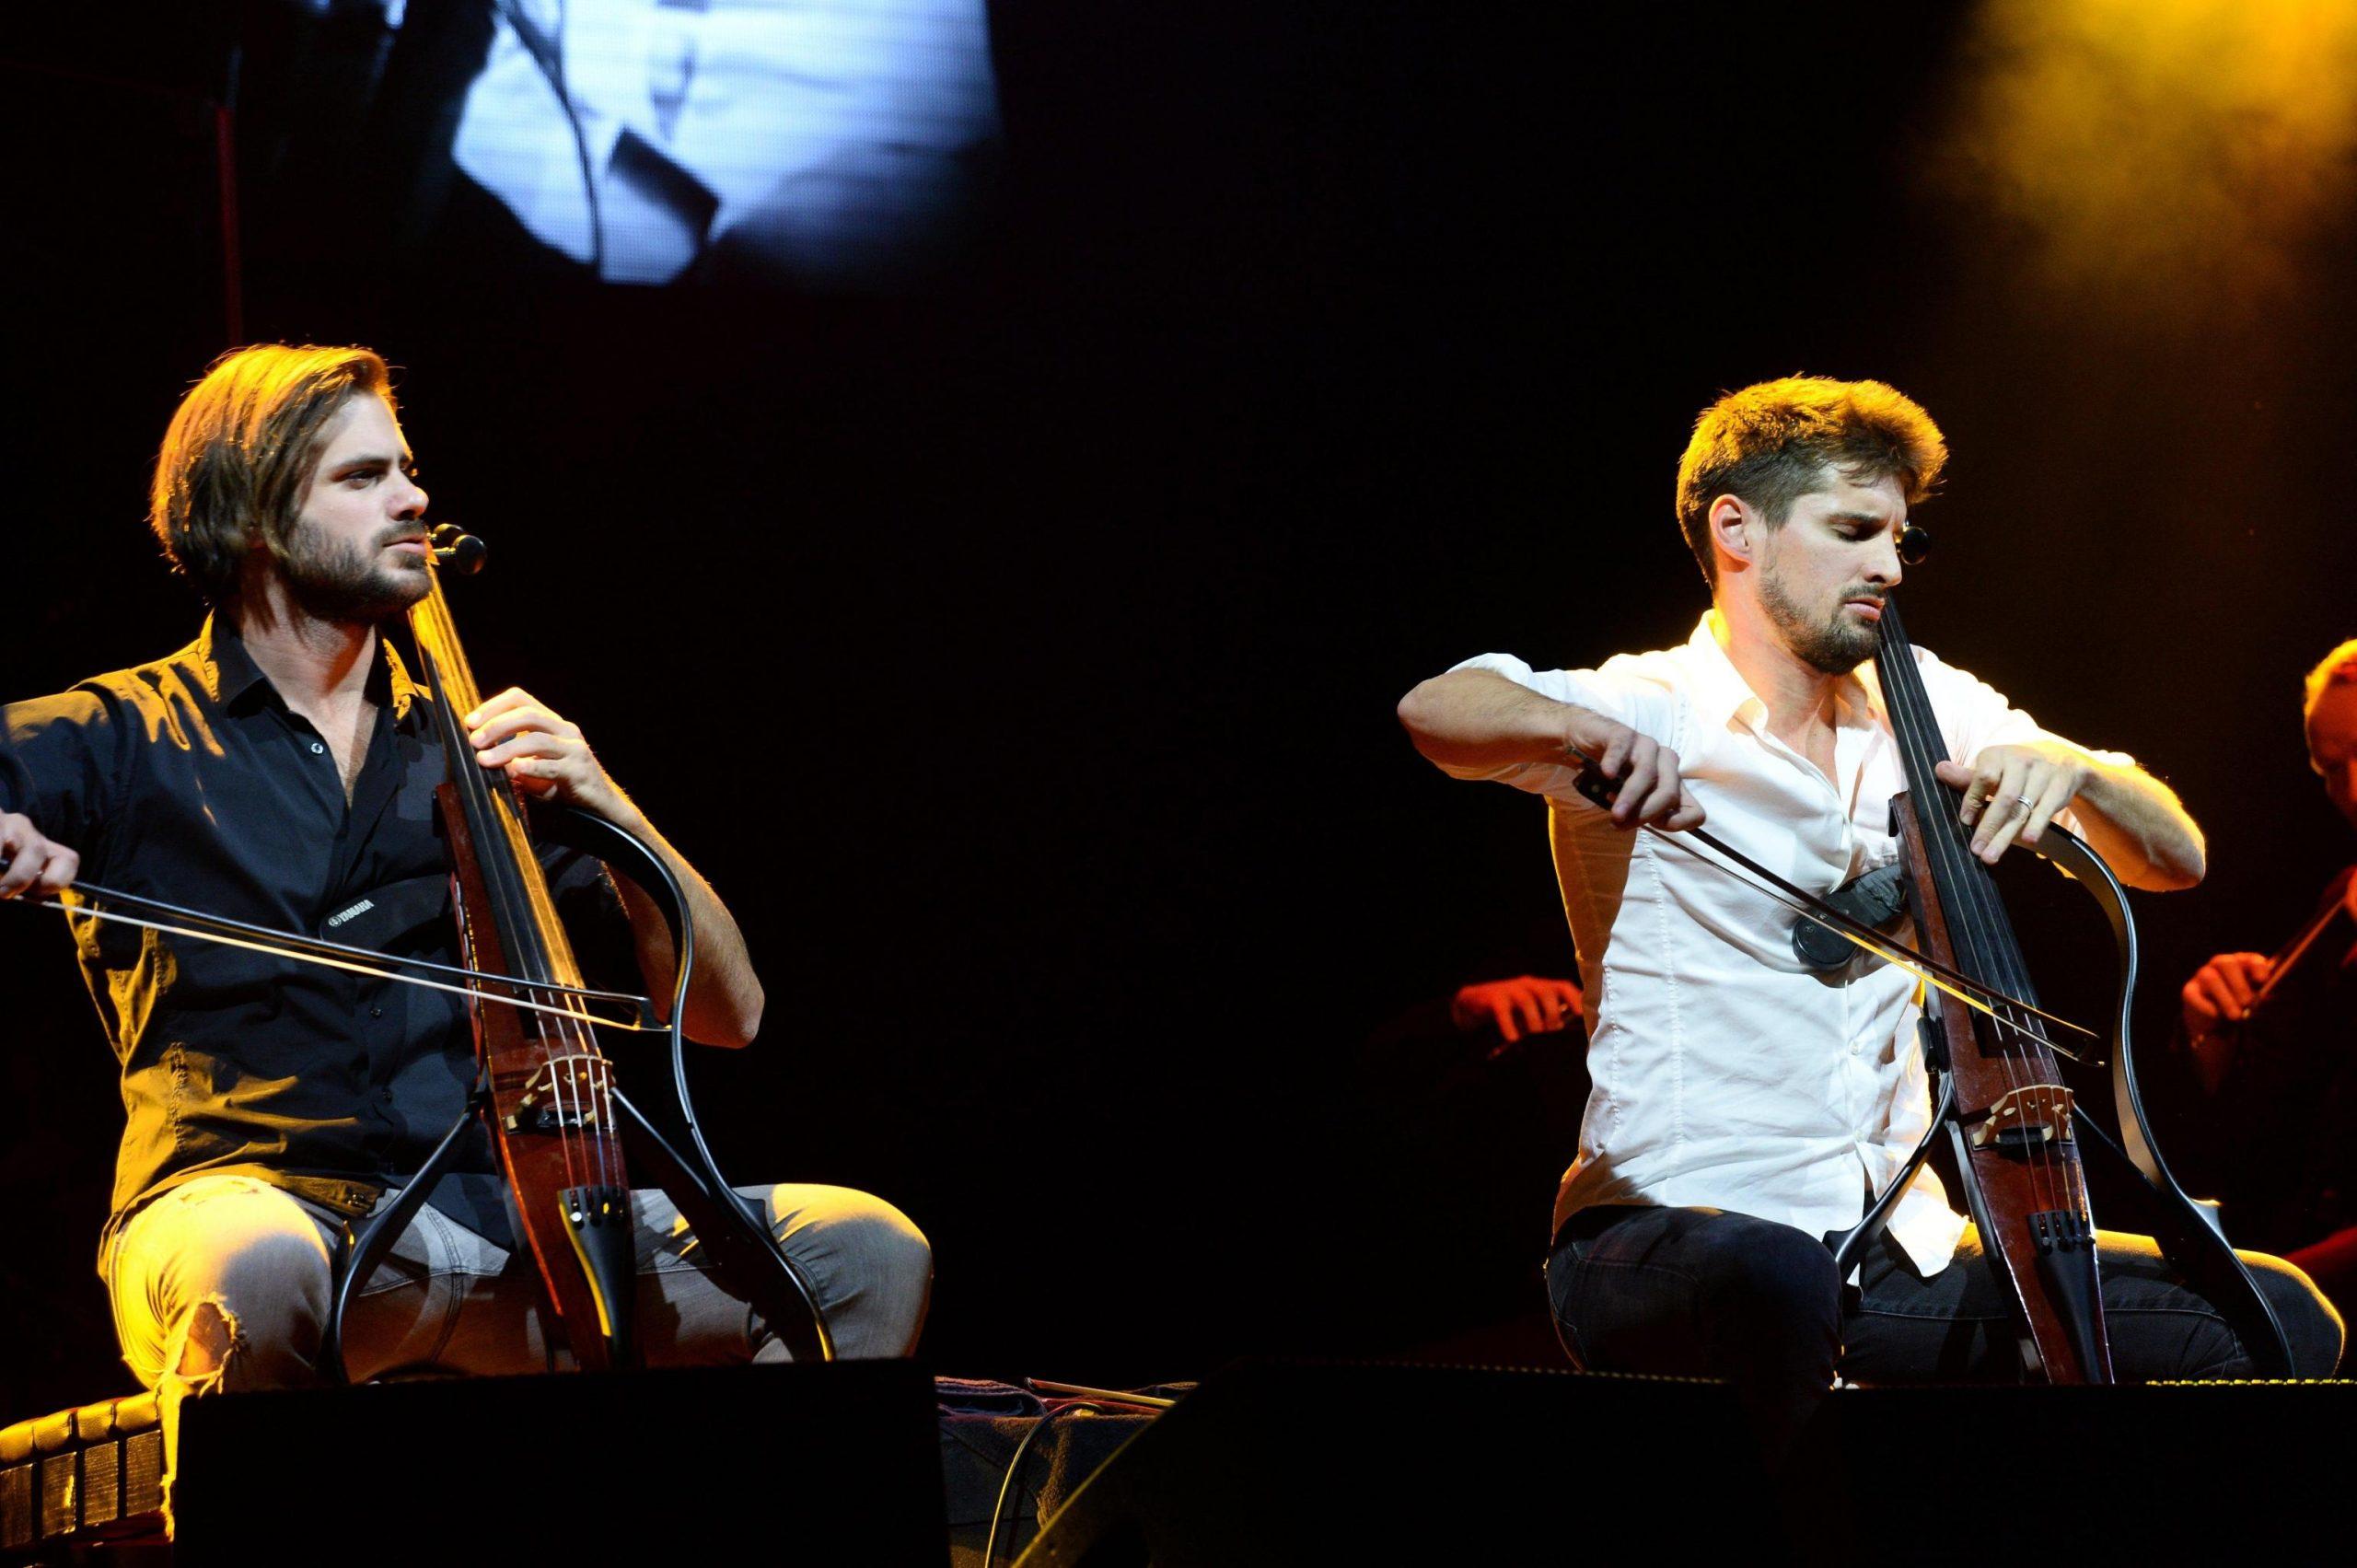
241,450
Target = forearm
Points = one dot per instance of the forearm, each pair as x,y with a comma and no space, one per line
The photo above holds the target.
546,756
724,996
1476,718
2140,828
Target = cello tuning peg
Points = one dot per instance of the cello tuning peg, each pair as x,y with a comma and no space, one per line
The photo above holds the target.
1914,545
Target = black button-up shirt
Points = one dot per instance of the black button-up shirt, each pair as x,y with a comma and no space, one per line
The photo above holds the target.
190,780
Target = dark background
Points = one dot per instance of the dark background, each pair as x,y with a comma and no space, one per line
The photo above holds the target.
1018,656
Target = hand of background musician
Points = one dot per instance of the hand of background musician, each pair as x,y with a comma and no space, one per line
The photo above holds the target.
30,862
1526,1004
1645,789
544,754
2221,993
2221,990
2013,792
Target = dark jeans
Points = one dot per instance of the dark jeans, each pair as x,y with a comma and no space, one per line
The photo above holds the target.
1708,1293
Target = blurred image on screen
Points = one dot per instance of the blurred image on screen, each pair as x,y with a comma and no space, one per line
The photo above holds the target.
836,144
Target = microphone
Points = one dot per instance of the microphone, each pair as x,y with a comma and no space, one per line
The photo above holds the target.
458,551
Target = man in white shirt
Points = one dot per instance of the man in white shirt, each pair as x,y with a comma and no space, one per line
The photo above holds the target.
1745,1105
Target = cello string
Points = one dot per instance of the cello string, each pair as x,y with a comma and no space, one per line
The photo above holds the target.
2053,1155
2060,1184
1992,932
454,693
561,1071
1913,723
589,1128
1946,839
487,809
599,1095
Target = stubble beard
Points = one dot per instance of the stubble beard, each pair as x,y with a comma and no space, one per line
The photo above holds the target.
1836,645
331,582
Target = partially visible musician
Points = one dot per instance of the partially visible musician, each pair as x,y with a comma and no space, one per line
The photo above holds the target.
281,770
2275,1037
1744,1105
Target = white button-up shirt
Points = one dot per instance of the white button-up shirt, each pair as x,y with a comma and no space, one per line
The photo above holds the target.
1725,1074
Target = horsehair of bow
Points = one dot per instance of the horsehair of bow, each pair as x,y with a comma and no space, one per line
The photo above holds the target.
1927,970
292,946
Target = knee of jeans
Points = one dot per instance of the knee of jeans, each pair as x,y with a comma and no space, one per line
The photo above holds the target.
2309,1322
256,1315
892,1265
895,1249
202,1348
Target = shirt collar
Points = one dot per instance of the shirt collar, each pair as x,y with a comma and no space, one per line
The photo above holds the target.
231,676
1722,696
222,663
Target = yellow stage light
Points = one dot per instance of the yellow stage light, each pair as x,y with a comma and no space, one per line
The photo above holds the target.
2162,157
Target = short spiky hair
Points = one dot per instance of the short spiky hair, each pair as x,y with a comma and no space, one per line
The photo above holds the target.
1770,444
242,447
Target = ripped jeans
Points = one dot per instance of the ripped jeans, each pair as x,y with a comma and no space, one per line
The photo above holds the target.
226,1281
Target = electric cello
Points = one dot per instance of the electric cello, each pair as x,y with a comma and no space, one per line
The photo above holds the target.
566,1136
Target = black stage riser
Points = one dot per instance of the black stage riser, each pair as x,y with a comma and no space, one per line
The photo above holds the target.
1275,1466
831,1464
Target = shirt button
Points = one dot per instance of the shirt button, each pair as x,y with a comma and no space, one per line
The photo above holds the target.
317,749
375,1012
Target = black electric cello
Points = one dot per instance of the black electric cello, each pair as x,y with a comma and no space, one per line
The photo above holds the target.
568,1140
2003,1102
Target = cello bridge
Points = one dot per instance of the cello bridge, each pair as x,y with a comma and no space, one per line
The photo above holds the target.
564,1094
2026,1118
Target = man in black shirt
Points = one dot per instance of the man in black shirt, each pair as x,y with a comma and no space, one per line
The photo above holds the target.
281,770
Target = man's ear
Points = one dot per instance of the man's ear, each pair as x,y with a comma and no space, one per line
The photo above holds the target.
1737,529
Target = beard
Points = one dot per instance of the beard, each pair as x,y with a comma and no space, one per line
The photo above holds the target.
1833,643
332,581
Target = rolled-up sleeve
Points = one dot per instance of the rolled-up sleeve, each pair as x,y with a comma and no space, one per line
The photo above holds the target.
1976,715
1587,689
